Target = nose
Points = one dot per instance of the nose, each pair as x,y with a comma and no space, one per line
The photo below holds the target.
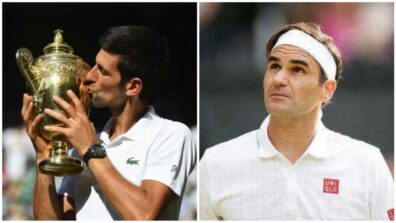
92,76
281,78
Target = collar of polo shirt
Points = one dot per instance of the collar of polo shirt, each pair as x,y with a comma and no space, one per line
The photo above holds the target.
139,128
266,149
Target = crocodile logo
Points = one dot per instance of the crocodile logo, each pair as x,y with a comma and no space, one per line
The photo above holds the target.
132,161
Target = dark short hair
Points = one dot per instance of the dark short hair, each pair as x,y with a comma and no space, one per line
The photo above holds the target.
144,54
313,30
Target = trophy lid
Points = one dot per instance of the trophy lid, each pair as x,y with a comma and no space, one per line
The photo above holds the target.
58,45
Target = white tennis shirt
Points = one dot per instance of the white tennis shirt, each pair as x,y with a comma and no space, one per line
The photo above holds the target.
337,178
154,149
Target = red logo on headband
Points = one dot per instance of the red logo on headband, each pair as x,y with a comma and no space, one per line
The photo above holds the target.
331,186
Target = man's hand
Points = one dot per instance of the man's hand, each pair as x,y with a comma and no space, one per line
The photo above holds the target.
78,129
32,124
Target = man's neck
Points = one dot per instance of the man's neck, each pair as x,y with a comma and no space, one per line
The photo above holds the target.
291,136
126,117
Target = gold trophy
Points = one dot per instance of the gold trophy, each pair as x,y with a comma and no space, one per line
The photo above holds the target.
53,73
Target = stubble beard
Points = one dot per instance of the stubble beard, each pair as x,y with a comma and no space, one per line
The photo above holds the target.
97,102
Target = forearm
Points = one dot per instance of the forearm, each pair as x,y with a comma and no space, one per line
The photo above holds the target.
130,201
46,204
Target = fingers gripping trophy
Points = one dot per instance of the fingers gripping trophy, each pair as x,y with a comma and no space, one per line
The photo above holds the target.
52,74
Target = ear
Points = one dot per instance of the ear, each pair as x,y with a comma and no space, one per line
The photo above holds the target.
328,89
134,86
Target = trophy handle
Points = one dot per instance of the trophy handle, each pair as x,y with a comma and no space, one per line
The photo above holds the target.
24,59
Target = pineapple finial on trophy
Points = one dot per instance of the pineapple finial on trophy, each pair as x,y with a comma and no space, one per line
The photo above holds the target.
58,36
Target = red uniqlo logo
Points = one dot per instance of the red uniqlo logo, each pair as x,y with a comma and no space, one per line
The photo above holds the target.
391,214
331,186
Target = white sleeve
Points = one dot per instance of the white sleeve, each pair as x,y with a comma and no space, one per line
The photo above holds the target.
206,211
172,157
381,190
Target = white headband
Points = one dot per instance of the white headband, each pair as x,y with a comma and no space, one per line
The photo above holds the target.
317,50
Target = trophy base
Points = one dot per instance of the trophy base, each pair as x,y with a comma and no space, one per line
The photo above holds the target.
61,166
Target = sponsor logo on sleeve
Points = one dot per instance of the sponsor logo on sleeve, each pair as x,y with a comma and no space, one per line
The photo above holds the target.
174,168
331,186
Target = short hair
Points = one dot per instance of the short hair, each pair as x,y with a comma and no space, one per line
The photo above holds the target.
144,54
315,31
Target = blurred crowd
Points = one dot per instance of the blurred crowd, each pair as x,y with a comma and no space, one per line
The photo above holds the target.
18,174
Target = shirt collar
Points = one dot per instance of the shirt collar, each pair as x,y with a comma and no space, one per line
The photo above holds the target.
137,130
265,148
317,148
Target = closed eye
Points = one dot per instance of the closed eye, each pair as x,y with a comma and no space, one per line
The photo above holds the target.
100,68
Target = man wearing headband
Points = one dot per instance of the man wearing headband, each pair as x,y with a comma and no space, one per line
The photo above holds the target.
293,167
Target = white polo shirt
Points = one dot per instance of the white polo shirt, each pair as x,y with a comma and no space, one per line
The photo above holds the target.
337,178
153,149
